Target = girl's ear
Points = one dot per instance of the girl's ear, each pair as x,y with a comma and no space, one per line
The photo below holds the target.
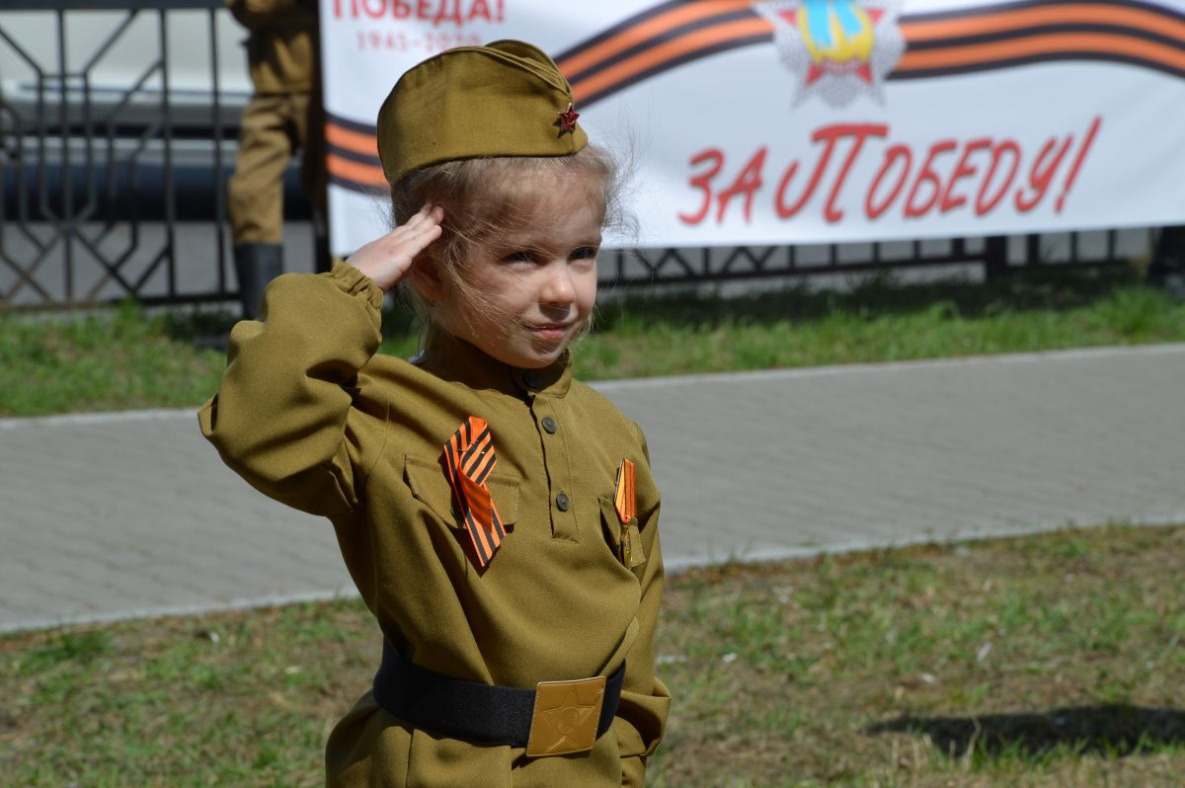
426,279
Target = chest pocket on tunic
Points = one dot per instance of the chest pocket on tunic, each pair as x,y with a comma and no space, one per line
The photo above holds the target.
431,486
625,541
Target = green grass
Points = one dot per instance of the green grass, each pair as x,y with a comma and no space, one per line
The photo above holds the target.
122,359
119,360
878,321
1044,661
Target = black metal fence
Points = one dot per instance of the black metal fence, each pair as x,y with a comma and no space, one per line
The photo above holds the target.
116,138
105,153
978,257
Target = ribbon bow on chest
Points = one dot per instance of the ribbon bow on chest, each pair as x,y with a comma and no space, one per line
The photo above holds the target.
470,457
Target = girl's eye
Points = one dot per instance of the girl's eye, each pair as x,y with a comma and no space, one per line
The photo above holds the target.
584,253
522,256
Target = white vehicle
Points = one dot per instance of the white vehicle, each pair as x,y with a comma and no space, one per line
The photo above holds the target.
122,79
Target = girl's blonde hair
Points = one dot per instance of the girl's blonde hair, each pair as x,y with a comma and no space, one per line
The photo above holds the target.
485,199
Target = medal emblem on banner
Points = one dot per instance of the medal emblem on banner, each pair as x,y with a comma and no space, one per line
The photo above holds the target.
839,50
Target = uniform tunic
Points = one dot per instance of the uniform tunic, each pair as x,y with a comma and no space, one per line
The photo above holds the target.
281,51
309,415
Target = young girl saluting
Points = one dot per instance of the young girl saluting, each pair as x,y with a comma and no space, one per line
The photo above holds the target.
499,518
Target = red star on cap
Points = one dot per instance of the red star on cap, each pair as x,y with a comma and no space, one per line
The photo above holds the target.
567,120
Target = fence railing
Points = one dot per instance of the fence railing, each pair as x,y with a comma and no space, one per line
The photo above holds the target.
104,151
982,257
117,132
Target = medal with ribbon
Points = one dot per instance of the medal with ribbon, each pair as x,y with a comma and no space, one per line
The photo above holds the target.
624,501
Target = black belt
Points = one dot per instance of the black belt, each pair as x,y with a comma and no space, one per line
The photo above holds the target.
491,714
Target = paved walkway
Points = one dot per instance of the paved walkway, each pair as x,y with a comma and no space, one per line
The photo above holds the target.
129,514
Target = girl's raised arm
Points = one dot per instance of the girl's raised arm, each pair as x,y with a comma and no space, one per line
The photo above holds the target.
285,417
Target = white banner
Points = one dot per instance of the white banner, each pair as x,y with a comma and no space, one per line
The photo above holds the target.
810,121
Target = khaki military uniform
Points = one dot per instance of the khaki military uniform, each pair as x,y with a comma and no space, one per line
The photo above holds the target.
308,414
284,115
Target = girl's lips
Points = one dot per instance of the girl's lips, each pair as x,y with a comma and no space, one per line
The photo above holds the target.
550,330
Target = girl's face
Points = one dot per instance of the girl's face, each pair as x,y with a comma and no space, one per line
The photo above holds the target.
538,282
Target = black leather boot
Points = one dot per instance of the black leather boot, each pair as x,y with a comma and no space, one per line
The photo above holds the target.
255,266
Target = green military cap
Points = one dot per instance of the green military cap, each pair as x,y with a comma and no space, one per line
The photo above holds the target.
504,99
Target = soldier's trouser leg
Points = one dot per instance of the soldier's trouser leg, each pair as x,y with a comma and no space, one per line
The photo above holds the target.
256,195
255,266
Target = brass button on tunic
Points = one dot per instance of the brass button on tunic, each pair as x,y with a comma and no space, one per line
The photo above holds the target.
310,416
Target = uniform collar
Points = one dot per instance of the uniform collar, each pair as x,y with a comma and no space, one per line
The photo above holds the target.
450,358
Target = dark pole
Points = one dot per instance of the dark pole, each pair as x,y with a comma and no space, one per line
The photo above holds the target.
995,258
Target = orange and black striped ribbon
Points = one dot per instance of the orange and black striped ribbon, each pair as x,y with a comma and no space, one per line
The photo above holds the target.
625,502
470,456
624,496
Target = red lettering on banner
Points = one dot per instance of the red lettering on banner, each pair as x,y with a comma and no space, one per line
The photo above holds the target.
974,175
424,42
830,212
1041,174
703,181
438,12
747,183
779,201
827,133
984,206
449,11
891,155
929,177
962,170
480,10
1077,165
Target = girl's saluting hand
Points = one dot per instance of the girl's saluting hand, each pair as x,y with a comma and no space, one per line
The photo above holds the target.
387,260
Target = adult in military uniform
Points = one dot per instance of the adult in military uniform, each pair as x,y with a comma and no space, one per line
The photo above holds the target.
283,117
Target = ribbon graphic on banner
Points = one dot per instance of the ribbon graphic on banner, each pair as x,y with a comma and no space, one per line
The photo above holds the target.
470,457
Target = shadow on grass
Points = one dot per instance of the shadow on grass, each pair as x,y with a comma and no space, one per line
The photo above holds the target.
203,329
870,296
1111,730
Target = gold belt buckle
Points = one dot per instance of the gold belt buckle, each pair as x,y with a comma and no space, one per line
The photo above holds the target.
565,717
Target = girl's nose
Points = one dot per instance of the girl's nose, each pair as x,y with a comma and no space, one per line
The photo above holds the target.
559,288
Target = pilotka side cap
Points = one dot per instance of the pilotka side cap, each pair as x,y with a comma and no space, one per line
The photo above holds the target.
507,98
